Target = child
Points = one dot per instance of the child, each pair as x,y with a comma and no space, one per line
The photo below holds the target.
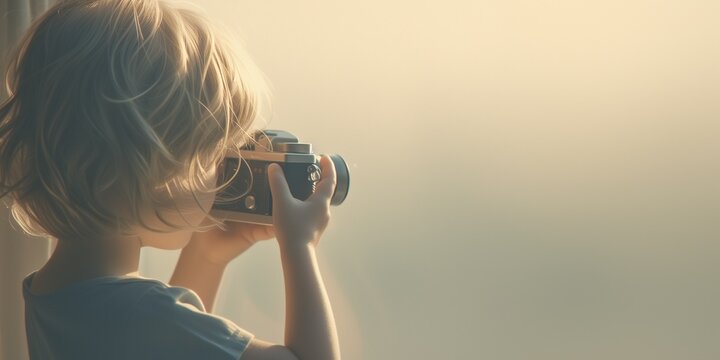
119,112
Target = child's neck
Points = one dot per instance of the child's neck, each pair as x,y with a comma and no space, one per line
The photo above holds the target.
74,261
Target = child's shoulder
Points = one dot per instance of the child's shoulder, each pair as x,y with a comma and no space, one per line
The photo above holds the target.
167,316
157,318
127,293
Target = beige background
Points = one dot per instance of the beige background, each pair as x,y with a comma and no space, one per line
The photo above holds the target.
530,179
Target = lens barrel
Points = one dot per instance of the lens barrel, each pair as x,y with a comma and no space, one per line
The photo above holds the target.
343,180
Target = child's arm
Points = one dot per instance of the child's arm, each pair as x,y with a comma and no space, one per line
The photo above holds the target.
201,276
310,325
203,261
310,332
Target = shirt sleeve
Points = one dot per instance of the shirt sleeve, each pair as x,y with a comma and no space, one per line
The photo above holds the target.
170,323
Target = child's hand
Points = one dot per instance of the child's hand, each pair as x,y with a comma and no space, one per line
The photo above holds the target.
220,247
300,222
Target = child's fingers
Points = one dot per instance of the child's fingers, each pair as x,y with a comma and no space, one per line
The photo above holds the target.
326,186
278,185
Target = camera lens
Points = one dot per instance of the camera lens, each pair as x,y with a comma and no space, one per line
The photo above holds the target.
343,180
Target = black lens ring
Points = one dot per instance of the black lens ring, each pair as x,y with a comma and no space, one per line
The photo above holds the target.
343,180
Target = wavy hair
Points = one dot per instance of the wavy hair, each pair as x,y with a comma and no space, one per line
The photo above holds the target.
110,102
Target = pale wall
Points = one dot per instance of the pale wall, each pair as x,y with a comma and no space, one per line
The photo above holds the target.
530,179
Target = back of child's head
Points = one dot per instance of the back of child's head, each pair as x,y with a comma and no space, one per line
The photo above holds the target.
111,101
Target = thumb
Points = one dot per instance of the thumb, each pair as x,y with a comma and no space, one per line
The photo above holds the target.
326,187
278,184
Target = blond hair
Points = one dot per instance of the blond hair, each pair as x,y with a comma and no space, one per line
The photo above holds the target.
111,101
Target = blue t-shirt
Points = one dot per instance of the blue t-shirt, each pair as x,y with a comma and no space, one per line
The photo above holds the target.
126,317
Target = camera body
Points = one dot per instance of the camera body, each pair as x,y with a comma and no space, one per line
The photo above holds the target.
248,197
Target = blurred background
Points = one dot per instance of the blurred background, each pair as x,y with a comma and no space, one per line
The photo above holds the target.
531,179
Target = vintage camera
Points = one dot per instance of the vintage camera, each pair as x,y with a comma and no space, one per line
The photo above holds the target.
248,198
